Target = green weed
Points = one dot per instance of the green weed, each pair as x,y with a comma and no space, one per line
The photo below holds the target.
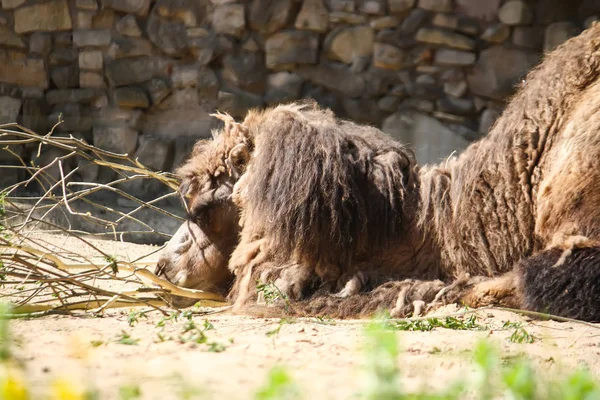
127,339
382,372
130,392
112,261
425,325
324,320
174,317
272,294
279,386
5,339
492,380
134,316
282,322
2,273
520,335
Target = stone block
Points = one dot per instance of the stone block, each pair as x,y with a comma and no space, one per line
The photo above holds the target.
155,152
65,76
528,36
341,17
415,19
91,37
90,79
63,56
128,71
10,4
313,16
118,138
91,60
83,20
335,78
372,7
129,46
131,97
18,69
454,57
105,19
431,139
482,10
128,26
34,115
445,38
456,106
9,109
446,21
137,7
388,104
62,39
496,33
515,12
291,47
208,87
229,19
362,110
400,6
185,76
74,117
269,16
237,103
283,87
388,57
348,44
47,16
245,70
456,88
488,117
58,96
499,69
549,11
9,38
341,5
114,116
384,22
32,93
558,33
86,5
436,5
168,35
158,89
178,123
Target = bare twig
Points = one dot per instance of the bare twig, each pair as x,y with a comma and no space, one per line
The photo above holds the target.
43,275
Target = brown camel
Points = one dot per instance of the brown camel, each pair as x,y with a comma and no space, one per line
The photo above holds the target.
342,221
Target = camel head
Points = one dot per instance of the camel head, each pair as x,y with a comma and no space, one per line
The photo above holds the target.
197,255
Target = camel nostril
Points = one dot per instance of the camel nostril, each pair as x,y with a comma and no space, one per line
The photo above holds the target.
160,268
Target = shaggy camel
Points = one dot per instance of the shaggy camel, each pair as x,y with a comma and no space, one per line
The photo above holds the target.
341,219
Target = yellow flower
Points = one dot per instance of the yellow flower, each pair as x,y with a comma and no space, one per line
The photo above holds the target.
12,385
65,390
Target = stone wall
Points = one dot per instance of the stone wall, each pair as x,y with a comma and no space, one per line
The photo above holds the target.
141,76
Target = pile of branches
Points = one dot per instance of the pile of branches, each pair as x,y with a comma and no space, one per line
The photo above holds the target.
51,222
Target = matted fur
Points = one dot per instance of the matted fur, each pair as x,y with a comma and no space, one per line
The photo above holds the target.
325,189
328,206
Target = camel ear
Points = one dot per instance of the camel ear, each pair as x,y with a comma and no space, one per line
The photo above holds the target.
188,186
238,159
231,128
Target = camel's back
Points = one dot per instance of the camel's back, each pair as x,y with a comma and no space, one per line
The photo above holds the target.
568,198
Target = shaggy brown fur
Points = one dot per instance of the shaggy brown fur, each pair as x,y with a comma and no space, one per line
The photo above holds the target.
328,206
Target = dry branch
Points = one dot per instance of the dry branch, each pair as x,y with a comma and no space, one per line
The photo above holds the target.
51,219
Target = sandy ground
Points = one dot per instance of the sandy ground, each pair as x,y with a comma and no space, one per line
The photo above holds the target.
326,360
